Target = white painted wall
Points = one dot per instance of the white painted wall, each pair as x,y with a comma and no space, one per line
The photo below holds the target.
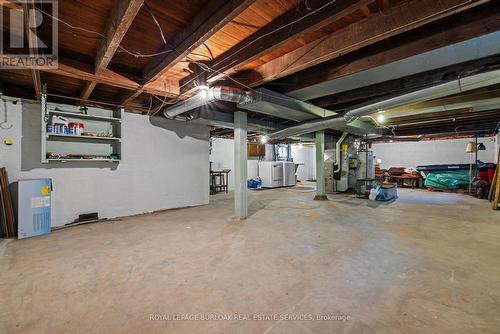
222,156
434,152
307,156
165,165
497,146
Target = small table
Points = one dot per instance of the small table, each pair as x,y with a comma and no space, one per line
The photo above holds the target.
402,181
219,181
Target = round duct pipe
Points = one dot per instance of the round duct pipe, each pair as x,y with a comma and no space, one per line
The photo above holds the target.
205,95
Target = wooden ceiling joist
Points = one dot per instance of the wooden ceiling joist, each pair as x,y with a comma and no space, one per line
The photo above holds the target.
396,20
128,97
455,121
31,37
431,117
463,98
287,27
214,16
11,4
387,89
477,23
78,70
118,25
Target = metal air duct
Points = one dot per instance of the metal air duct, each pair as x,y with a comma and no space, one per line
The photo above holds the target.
205,95
442,90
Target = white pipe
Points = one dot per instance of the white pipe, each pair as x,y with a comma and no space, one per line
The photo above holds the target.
337,151
426,94
191,103
220,93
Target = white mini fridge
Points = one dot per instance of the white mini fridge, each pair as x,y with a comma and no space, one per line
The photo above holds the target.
32,206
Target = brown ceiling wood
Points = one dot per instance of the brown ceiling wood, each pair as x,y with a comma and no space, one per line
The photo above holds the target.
283,29
396,20
455,121
256,16
122,17
89,15
256,36
472,24
384,90
29,21
144,37
216,14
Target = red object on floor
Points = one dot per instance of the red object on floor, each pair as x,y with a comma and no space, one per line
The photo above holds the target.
487,175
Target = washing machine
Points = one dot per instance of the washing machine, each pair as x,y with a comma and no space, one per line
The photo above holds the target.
271,174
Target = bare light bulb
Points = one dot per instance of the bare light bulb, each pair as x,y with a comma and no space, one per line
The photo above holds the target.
203,94
263,139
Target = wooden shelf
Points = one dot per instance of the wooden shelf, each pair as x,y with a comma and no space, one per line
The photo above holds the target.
84,160
56,136
71,144
84,116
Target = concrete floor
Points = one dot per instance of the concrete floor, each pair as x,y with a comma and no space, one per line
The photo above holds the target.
427,263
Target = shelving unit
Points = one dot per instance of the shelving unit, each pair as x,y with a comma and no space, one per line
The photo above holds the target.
55,136
83,116
84,160
105,149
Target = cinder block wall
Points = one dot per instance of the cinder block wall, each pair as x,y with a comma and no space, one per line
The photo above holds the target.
433,152
165,165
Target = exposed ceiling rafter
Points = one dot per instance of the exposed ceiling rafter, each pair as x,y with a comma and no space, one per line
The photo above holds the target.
32,38
122,17
214,16
476,23
283,29
403,17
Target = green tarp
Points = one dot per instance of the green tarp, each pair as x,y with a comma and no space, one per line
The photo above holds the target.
448,179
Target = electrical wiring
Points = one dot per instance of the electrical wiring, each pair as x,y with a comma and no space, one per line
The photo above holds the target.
209,51
141,55
120,47
203,66
272,32
206,68
286,98
156,22
150,104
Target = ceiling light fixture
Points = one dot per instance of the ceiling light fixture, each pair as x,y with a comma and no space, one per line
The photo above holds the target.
203,91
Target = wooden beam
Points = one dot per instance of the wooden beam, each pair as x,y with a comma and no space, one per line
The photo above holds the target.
285,28
387,89
11,5
122,17
485,127
75,69
81,71
29,21
477,23
88,88
430,117
396,20
465,98
118,26
213,17
128,97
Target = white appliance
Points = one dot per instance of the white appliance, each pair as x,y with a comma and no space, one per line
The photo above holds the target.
271,174
366,166
289,179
